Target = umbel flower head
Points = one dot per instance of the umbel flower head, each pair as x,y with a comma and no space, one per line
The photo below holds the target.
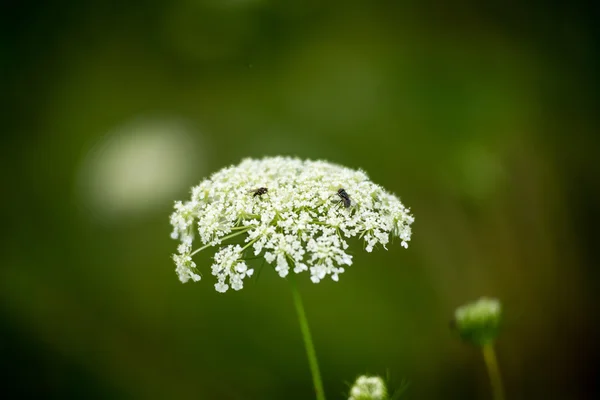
296,214
479,322
368,388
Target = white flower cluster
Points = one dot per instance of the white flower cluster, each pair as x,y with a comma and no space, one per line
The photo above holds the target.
368,388
289,212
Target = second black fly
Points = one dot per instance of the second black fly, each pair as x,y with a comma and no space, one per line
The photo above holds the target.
260,191
344,197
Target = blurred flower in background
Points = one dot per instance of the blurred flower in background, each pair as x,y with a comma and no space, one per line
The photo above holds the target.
138,166
478,323
368,388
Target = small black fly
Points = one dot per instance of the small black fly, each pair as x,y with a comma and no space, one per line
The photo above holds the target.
344,197
260,191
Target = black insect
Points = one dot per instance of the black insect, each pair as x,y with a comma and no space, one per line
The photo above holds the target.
260,191
345,199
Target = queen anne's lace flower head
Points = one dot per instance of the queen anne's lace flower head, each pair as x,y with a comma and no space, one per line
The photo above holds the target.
289,212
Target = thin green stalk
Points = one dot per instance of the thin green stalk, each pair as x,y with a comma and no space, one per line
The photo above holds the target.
250,243
308,343
489,356
224,238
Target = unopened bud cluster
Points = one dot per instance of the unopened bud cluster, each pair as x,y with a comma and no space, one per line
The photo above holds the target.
479,322
368,388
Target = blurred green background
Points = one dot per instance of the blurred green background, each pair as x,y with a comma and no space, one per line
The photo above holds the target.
481,116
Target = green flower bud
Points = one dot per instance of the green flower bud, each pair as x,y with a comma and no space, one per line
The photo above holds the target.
478,323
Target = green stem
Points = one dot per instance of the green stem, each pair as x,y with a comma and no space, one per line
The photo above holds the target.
250,243
489,356
308,343
224,238
237,228
200,249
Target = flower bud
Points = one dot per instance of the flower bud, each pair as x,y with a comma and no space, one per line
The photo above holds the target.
368,388
478,323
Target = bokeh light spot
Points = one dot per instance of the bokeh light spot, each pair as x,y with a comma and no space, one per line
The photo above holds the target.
138,166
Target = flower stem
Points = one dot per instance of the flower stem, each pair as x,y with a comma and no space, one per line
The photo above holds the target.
250,243
308,343
224,238
489,356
